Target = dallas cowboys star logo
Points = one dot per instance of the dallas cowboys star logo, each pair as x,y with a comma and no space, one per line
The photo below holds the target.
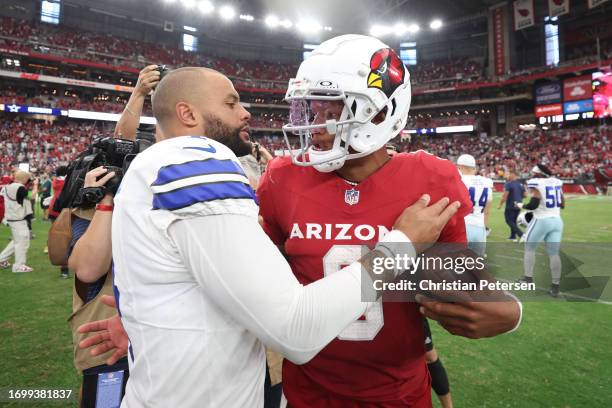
13,108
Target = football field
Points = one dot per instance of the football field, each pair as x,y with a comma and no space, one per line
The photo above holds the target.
560,356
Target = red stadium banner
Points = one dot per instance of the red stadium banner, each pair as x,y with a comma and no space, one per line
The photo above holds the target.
578,88
558,7
595,3
499,41
549,110
523,14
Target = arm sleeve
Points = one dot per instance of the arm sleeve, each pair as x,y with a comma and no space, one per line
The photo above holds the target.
21,195
532,204
245,274
79,226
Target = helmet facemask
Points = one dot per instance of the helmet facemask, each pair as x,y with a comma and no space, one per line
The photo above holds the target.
309,114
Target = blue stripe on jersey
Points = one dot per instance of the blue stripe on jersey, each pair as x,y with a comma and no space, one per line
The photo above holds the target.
131,350
175,172
115,290
184,197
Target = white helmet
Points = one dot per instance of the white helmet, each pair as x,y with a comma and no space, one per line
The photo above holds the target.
369,78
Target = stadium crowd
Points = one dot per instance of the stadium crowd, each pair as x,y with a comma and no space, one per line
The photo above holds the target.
121,52
116,51
571,153
42,143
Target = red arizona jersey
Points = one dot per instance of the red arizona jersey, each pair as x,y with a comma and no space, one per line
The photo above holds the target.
322,220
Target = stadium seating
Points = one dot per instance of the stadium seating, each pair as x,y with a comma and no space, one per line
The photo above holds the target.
121,52
569,153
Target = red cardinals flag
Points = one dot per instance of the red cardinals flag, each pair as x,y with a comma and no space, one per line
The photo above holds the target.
523,14
595,3
558,7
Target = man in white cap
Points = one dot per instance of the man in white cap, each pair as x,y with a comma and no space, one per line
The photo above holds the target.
15,202
481,194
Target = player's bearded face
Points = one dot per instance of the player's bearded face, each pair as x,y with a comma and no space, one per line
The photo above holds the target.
230,136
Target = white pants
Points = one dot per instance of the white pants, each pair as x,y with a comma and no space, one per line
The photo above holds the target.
19,245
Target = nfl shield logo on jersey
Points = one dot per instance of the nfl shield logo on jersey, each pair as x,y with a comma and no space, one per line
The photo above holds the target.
351,197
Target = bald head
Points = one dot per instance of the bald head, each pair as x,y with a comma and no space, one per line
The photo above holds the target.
191,85
195,101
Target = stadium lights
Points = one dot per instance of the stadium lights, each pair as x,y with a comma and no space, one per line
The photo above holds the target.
436,24
247,17
206,7
188,28
327,28
188,3
286,23
227,12
413,28
379,30
400,29
272,21
308,26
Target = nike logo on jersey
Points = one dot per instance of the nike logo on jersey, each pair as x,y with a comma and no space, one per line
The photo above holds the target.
209,149
338,232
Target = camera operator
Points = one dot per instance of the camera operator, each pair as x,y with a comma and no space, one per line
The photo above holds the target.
17,209
254,163
90,259
148,79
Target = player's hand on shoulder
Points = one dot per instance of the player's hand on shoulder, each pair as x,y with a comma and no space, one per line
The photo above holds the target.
422,223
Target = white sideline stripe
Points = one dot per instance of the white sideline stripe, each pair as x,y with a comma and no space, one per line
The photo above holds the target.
605,302
205,178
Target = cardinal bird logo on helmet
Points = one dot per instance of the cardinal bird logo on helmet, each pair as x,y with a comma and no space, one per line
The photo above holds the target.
387,71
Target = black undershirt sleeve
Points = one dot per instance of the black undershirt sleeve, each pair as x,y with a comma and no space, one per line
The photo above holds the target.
533,204
21,195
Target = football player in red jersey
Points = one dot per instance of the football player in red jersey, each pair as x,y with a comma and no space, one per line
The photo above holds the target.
341,190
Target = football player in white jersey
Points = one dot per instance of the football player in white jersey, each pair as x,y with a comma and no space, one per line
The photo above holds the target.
481,194
197,281
546,203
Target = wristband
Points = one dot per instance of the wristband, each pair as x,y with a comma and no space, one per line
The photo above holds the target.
396,243
104,207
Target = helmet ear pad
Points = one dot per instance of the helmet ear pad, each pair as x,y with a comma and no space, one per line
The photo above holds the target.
369,136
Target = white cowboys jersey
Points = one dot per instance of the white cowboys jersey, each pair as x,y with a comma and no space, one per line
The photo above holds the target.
170,321
551,196
481,192
199,284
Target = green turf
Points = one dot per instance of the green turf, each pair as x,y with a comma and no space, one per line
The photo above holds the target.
560,357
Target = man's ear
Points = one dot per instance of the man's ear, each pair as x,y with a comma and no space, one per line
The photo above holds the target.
186,115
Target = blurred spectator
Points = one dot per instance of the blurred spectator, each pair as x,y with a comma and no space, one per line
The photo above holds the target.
15,213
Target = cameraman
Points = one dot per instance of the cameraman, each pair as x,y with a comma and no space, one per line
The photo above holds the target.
90,258
148,79
254,163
